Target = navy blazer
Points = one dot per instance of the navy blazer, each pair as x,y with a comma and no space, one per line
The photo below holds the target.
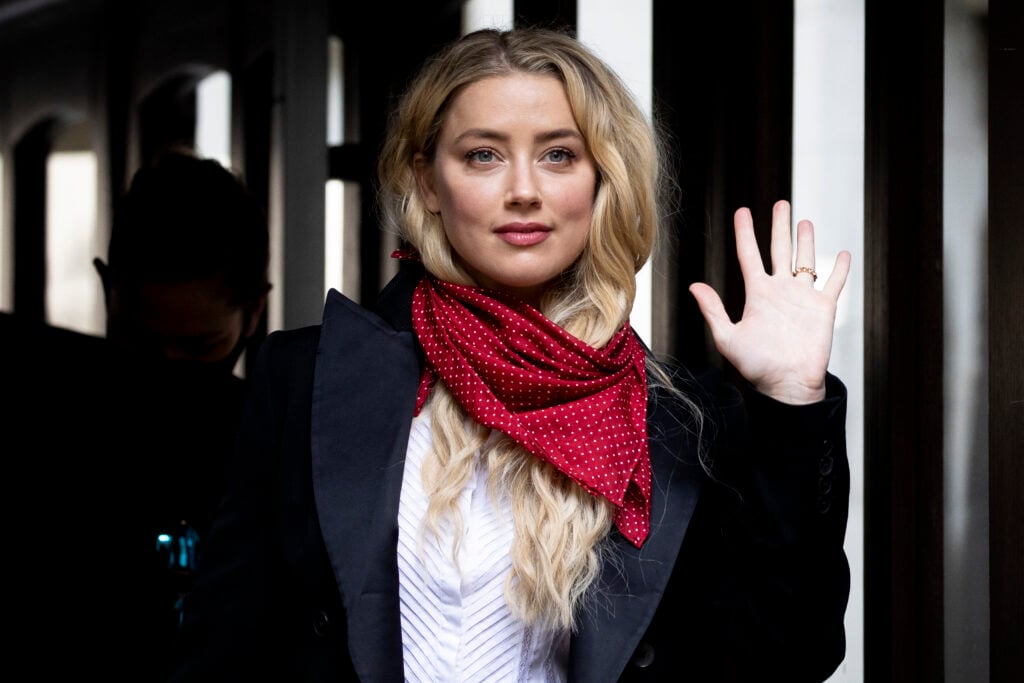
743,574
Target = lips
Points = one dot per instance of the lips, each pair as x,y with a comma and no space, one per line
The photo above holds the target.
523,234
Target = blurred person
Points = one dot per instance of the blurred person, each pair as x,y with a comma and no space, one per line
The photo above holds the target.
185,286
186,277
130,436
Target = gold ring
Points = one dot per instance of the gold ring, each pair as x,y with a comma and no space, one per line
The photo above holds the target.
806,269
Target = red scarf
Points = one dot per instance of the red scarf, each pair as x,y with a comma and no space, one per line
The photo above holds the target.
584,410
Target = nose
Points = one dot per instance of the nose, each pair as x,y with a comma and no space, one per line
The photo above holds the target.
523,190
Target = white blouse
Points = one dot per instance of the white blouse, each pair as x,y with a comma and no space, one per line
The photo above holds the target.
456,625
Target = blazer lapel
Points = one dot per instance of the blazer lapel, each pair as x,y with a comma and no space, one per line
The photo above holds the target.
633,581
367,372
364,395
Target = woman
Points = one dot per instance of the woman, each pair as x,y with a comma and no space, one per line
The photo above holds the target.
487,476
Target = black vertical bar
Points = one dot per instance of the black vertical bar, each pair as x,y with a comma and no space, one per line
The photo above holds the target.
29,171
903,611
560,14
723,83
682,35
381,70
256,95
121,18
1006,330
167,117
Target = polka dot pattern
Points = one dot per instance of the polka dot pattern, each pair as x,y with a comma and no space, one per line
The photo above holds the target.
582,409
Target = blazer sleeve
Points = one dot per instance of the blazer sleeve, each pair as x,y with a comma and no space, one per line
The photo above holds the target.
761,583
784,501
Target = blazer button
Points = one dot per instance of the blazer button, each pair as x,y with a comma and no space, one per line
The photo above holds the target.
825,486
825,465
321,623
643,657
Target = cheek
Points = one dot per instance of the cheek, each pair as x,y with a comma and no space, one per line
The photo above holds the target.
584,207
466,205
577,202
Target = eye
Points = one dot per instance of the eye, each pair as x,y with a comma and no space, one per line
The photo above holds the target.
559,155
482,156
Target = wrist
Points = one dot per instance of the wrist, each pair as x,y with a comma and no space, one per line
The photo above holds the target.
795,393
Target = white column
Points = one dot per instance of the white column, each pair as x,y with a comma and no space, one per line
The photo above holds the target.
828,189
478,14
965,343
621,34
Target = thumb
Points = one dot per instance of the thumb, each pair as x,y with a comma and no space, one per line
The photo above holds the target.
713,310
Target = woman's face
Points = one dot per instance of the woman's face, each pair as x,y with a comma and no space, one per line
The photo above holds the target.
513,182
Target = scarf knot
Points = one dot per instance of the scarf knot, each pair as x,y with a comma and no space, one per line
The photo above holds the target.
582,409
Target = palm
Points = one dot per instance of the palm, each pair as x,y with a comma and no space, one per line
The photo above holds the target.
783,340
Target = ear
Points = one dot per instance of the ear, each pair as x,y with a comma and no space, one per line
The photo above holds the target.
104,272
256,313
424,172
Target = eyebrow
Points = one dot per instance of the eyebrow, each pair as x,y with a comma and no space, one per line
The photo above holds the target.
547,136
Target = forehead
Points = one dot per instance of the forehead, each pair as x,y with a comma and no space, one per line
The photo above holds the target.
513,101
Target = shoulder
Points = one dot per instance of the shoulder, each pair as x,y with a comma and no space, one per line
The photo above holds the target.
706,391
282,345
287,357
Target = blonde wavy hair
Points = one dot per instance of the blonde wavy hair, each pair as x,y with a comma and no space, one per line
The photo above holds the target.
559,527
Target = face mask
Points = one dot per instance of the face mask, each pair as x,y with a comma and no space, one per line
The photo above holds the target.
177,377
183,372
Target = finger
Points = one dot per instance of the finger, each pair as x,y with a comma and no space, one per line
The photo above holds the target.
714,312
837,278
747,252
803,267
782,238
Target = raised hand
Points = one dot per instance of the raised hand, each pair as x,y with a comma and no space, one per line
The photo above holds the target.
782,342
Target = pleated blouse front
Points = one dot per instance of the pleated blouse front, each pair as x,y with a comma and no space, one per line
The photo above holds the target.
456,625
